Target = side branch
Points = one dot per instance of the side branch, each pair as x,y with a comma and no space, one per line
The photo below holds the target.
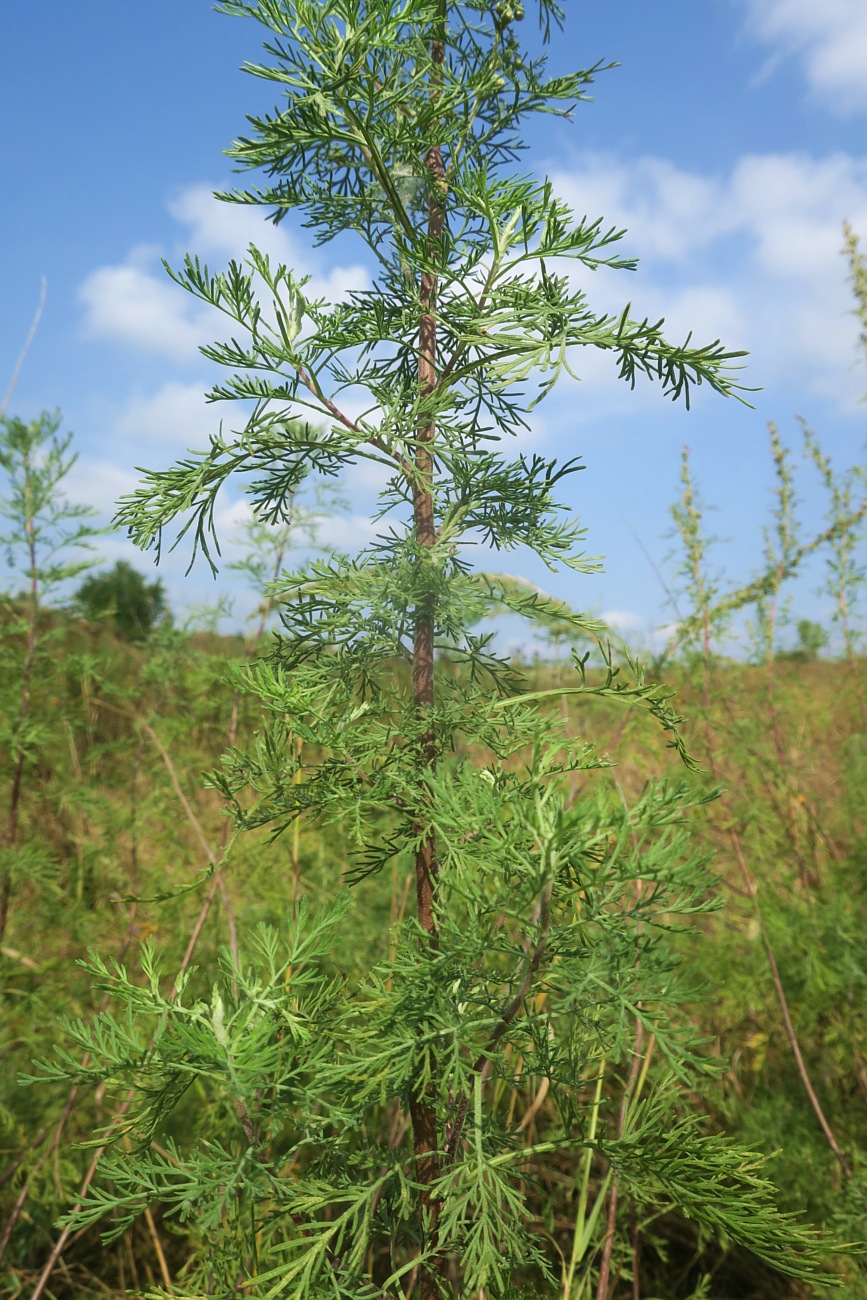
375,441
542,917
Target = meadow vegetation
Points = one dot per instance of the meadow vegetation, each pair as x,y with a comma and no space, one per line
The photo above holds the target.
119,842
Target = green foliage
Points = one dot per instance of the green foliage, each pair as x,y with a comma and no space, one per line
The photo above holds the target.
710,615
795,1002
290,1063
846,569
123,595
121,809
858,273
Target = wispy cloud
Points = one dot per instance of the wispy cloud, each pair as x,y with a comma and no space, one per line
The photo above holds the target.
176,416
225,230
829,39
99,482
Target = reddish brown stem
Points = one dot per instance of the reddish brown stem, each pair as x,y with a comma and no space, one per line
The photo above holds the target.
422,1107
636,1253
608,1248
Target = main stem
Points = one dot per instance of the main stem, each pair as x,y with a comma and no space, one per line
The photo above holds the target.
422,1105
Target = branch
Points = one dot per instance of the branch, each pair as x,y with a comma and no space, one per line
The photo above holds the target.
542,916
760,586
330,407
480,305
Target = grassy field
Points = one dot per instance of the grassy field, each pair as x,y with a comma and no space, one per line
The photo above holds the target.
118,837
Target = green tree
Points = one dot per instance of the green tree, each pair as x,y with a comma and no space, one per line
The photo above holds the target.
125,597
812,640
540,927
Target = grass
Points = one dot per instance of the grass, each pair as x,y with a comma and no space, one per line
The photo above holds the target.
114,815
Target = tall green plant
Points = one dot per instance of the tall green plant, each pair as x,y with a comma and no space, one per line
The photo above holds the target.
40,528
353,1142
858,276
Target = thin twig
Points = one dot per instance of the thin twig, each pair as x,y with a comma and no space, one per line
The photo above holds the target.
69,1105
214,859
59,1245
173,777
14,955
611,1225
608,1248
28,342
783,1001
533,1109
158,1249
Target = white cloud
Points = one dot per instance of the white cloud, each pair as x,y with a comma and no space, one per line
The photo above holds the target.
99,483
624,621
637,633
752,258
660,638
348,532
136,303
708,312
234,516
334,532
828,36
225,230
603,187
791,208
177,415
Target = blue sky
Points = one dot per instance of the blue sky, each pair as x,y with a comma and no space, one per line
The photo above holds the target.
730,142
